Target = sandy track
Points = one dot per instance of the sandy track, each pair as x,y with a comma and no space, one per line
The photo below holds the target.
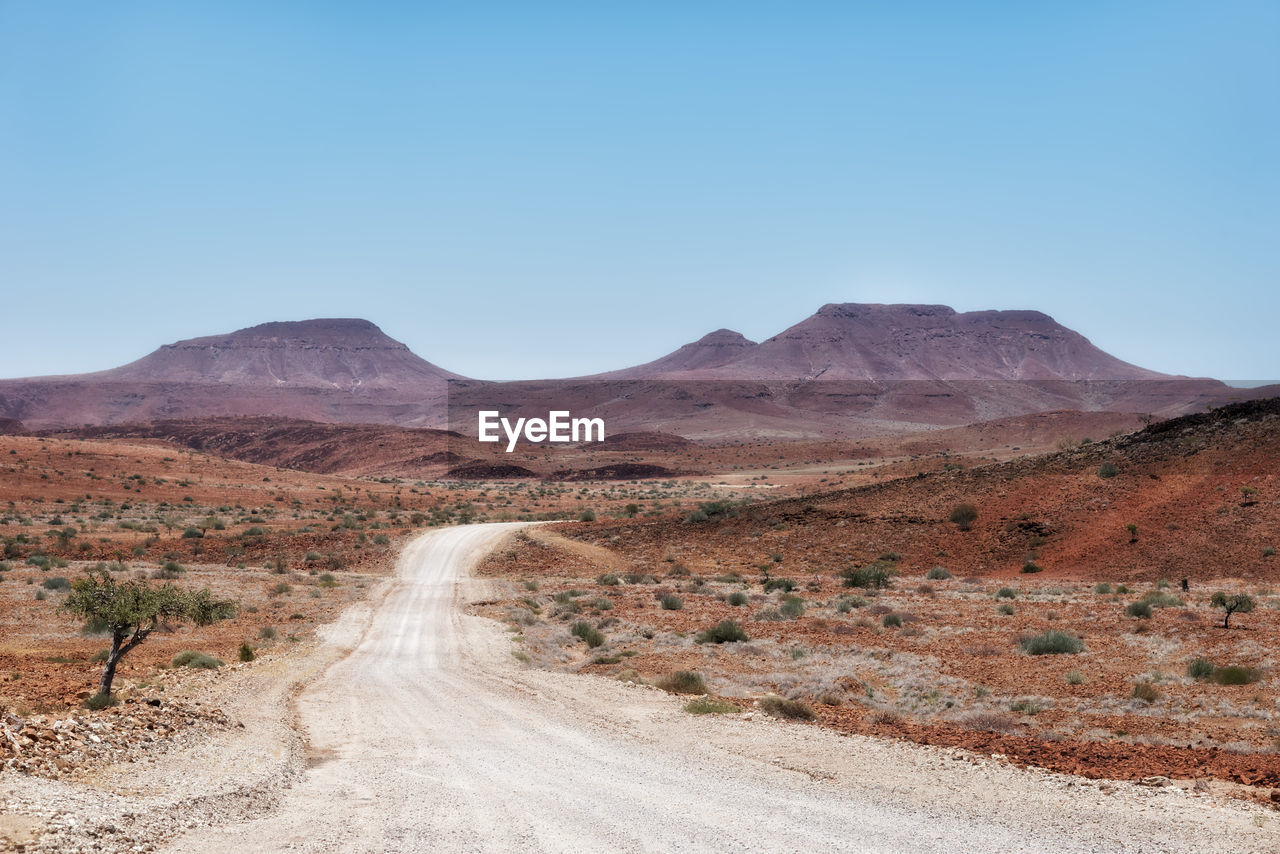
430,737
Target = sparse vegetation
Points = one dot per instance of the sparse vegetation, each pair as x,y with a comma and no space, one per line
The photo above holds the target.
727,631
710,706
1232,603
1052,642
780,707
683,682
589,634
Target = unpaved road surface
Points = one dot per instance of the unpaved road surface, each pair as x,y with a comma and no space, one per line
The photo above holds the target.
430,737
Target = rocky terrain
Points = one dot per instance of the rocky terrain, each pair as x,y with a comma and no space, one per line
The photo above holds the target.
1092,542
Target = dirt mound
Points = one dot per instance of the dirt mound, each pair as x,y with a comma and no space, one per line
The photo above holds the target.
481,470
645,441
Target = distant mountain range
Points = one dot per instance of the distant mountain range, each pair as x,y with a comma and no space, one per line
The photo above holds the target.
849,369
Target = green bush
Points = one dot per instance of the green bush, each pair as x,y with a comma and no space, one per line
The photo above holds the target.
780,707
1102,587
587,515
938,573
845,604
791,607
1052,642
1075,677
1138,609
786,585
683,682
1006,609
57,582
192,533
1006,593
1160,599
268,633
1108,470
891,621
671,602
1031,567
710,706
738,599
588,633
609,579
727,631
1233,675
246,652
873,576
1200,668
196,660
101,701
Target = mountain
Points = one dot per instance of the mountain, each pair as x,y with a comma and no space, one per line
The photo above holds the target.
848,370
333,353
327,370
853,341
713,350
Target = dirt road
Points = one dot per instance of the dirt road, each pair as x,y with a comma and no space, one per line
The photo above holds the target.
431,737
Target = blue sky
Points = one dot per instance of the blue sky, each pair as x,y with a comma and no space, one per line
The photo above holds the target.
548,189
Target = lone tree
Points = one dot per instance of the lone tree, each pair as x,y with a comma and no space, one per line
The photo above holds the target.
1241,602
131,610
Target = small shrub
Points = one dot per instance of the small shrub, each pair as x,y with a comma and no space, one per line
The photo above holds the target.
326,579
710,706
786,585
671,602
101,701
780,707
847,603
873,576
1052,642
963,516
609,579
57,582
1005,608
1102,588
1006,593
268,633
891,621
791,607
737,599
246,652
195,660
1146,692
1031,567
587,516
1108,470
1160,599
1075,677
592,636
1234,675
1139,609
683,682
1200,668
938,573
727,631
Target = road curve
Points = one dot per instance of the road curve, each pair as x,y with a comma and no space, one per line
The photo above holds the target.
430,737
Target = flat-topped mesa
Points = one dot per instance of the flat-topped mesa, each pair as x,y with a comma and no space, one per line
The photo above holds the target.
346,353
929,342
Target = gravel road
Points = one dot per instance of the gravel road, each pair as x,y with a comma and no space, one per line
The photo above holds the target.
430,736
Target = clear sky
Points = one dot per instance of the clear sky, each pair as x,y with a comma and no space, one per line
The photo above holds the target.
545,189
